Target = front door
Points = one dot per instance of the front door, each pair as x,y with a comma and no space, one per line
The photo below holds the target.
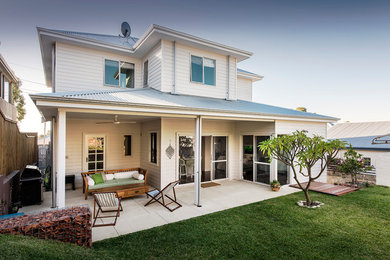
94,153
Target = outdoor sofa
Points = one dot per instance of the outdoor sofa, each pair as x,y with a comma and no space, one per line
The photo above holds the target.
125,182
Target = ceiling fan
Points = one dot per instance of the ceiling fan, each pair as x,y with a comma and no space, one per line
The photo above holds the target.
116,122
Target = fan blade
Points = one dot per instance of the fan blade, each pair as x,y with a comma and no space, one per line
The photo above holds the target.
101,123
128,122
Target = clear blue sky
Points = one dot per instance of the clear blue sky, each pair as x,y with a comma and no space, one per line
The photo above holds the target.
332,57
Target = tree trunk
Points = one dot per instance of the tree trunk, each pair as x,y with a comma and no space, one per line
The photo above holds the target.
308,200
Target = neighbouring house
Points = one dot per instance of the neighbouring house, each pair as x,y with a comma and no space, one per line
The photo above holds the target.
7,78
372,140
170,102
16,149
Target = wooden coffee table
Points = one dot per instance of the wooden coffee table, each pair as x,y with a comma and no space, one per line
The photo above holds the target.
133,191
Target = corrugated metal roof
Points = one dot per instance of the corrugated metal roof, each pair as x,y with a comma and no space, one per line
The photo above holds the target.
365,143
152,97
346,130
110,39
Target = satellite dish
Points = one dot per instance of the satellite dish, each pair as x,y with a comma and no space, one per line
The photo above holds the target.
126,30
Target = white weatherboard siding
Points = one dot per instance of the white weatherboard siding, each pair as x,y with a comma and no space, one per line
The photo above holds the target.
154,170
76,129
244,89
79,69
381,161
154,58
233,90
183,75
287,127
167,66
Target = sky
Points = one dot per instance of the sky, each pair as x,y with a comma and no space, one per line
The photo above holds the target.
332,57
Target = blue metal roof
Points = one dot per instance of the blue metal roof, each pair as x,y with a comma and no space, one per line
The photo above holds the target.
152,97
109,39
365,143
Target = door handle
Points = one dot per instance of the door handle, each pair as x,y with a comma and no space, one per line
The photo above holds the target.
86,159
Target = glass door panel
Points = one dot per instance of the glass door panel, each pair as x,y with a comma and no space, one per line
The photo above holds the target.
263,172
219,157
283,173
95,156
247,160
186,159
260,156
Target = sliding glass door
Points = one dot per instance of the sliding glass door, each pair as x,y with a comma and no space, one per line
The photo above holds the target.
255,164
213,161
186,159
219,161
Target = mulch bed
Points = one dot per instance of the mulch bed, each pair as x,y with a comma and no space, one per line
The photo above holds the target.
72,225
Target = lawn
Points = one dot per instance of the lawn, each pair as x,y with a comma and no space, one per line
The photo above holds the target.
356,225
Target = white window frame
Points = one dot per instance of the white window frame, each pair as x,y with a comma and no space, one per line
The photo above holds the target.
119,64
215,70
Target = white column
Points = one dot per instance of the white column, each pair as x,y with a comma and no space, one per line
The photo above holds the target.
53,143
197,161
61,143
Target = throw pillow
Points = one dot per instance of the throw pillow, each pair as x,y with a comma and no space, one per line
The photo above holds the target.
90,181
98,178
138,176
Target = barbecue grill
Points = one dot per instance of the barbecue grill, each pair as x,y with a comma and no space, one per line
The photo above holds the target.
31,182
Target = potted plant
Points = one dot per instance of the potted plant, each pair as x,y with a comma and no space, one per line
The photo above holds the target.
275,185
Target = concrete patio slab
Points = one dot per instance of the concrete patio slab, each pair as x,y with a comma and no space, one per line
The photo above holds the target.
136,217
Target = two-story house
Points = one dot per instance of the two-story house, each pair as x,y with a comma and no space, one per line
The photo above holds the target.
172,103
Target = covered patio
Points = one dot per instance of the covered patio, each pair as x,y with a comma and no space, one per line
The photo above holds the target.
136,217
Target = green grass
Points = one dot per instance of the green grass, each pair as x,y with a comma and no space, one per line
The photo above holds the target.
356,225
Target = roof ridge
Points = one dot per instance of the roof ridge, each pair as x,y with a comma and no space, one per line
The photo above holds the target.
96,34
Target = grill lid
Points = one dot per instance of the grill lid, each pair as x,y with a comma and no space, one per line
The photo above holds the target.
31,172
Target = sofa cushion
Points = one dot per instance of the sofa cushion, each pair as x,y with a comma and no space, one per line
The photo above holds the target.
115,182
109,177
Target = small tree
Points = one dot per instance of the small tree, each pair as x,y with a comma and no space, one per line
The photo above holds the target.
352,164
301,153
18,100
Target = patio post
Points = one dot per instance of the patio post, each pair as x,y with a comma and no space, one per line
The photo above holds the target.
61,153
197,161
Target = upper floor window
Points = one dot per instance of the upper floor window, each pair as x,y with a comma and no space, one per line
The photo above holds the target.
203,70
119,73
146,72
6,87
